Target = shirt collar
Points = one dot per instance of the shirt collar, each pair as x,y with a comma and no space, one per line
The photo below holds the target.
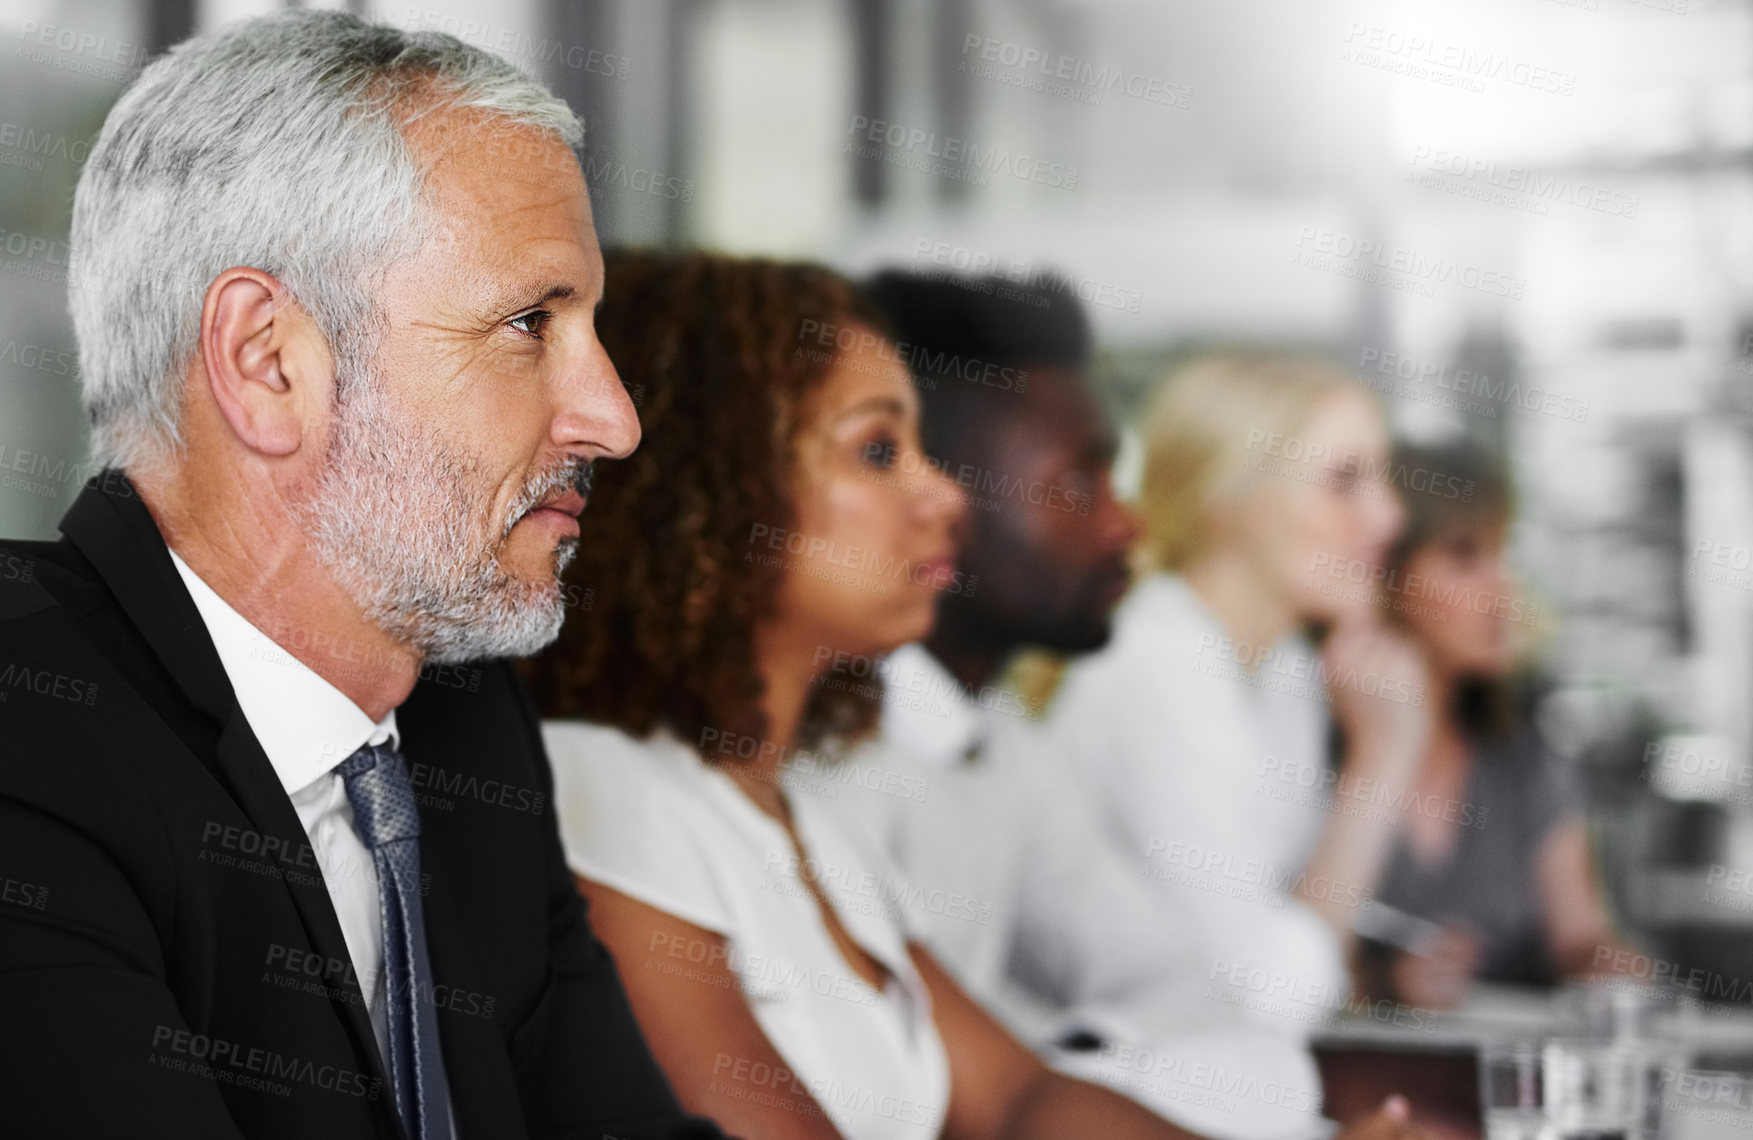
305,725
925,710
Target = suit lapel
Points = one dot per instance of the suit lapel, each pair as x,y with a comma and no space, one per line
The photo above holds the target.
112,528
253,782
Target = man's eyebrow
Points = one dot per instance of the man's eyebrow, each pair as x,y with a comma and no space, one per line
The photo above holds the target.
519,300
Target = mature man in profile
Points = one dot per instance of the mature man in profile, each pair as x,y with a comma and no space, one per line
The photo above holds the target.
275,819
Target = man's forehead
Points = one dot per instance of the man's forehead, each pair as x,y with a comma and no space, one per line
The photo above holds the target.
1057,405
508,202
494,167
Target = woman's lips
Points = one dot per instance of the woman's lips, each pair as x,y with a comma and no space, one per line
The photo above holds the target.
940,571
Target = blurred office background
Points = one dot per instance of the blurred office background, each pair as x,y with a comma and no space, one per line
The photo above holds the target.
1529,220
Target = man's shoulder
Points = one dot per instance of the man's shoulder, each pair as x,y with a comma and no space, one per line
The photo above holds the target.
29,571
43,597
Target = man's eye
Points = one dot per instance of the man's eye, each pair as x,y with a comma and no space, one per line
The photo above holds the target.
538,320
880,452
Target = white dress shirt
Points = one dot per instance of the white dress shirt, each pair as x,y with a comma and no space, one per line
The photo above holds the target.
649,819
1043,919
307,727
1179,734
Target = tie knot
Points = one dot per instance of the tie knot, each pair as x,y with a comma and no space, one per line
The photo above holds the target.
381,794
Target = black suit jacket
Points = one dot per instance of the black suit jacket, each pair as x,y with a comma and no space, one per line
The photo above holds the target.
170,961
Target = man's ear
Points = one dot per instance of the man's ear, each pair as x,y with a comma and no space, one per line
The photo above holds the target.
266,362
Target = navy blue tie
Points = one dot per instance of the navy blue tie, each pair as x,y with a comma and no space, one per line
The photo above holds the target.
383,806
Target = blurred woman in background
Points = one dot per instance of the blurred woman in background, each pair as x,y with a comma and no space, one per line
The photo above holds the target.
1495,854
1202,729
777,519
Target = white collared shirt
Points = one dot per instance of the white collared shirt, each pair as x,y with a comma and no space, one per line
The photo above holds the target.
307,727
1183,738
1043,919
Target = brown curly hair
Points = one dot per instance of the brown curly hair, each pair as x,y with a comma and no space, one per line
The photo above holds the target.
713,352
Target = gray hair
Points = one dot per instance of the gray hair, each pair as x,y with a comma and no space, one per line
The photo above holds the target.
274,143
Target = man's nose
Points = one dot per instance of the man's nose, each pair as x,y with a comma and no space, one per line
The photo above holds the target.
596,417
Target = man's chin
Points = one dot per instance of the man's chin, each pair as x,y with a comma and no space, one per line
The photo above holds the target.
527,631
1078,638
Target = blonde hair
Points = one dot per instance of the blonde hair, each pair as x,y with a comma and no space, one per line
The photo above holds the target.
1207,420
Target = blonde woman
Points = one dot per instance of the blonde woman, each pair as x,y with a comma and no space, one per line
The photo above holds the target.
1202,730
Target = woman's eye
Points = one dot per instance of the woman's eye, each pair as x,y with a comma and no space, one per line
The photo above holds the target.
880,452
1345,481
1081,480
538,320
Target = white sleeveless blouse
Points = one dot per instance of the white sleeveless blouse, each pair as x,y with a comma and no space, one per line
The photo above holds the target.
650,819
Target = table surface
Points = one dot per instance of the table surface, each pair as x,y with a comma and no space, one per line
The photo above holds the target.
1509,1013
1432,1060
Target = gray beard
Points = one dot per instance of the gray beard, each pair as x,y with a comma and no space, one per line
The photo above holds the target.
402,522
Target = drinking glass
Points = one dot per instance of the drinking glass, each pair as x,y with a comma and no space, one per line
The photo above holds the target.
1512,1090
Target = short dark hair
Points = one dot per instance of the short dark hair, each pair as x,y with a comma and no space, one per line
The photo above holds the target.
945,325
